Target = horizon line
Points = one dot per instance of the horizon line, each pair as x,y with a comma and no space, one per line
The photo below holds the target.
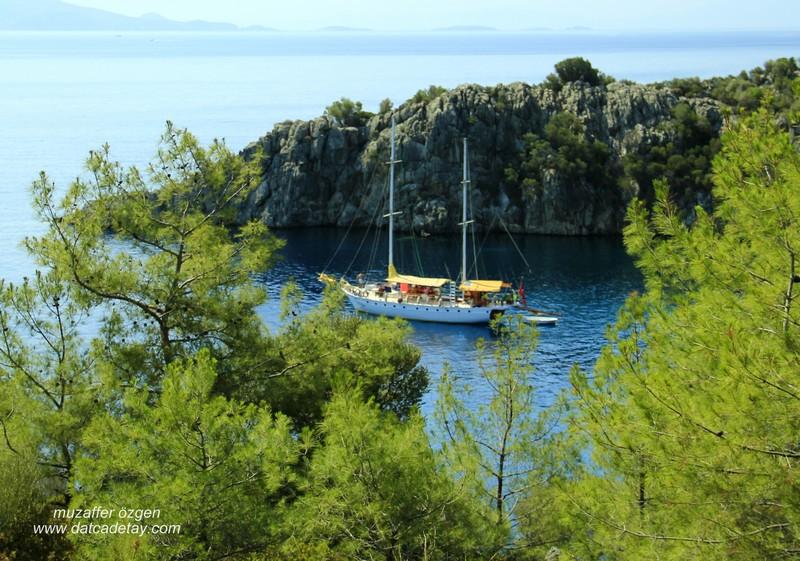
456,29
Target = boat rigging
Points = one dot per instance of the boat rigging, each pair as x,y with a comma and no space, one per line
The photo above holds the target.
469,301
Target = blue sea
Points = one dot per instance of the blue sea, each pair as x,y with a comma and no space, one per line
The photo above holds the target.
63,94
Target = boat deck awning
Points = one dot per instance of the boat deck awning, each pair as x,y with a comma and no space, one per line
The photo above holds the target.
417,281
484,286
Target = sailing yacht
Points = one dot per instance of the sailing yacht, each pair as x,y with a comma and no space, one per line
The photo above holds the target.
424,298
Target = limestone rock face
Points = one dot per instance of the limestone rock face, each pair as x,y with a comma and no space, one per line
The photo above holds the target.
319,173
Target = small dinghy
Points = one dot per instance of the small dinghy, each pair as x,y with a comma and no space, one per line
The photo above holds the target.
542,320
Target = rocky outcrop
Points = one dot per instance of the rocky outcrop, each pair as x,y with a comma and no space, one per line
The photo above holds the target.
318,173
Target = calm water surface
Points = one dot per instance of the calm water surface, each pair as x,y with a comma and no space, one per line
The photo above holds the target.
583,279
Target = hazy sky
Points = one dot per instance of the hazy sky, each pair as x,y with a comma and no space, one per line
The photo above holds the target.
503,14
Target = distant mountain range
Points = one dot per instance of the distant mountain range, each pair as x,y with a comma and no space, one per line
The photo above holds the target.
54,15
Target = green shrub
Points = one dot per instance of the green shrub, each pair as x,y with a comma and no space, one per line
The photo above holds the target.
553,82
577,69
564,149
684,161
747,91
427,95
385,106
348,113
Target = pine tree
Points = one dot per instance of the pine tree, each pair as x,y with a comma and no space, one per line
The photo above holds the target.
154,251
217,468
49,387
498,449
693,411
375,490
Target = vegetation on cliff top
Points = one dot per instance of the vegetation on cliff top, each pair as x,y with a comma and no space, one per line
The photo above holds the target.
683,157
747,91
533,171
348,113
576,69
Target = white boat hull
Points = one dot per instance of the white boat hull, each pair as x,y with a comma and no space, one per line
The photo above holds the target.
542,320
442,313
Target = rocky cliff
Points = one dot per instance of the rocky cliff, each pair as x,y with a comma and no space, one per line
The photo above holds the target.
322,173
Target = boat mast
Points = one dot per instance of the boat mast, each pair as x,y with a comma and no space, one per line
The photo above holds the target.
464,222
392,161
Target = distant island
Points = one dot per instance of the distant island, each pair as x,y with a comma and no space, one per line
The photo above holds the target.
342,29
54,15
463,28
